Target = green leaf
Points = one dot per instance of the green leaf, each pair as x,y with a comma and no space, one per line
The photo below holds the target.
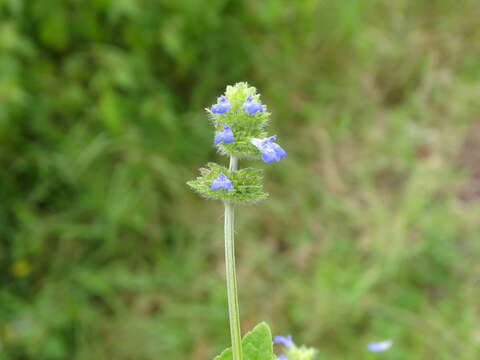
247,184
256,345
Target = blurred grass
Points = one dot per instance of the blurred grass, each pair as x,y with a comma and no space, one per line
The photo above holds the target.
371,231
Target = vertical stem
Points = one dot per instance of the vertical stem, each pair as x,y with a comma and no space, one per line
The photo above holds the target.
233,163
233,310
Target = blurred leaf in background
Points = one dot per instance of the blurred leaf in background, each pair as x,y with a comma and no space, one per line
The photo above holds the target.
371,230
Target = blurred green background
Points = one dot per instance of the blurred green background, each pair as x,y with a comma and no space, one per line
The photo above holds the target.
372,228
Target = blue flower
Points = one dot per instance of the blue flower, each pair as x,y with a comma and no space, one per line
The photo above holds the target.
222,182
251,106
270,150
380,346
284,340
225,136
222,105
282,357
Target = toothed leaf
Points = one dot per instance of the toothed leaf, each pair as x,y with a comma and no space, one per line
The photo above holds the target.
256,345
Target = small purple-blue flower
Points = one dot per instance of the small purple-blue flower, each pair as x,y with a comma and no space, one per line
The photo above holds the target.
225,136
284,340
251,106
282,357
380,346
222,105
270,151
221,182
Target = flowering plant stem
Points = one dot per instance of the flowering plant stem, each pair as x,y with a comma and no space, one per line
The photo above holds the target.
233,310
239,119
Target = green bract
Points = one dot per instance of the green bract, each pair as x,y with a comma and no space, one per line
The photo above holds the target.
247,184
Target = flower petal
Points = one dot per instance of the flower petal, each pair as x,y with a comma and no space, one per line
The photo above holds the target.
221,182
225,136
284,340
251,106
278,150
222,105
270,150
269,155
380,346
218,138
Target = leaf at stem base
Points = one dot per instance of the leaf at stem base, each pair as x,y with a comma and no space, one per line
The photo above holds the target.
256,345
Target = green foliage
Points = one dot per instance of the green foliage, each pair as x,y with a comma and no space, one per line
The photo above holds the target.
372,227
256,345
247,184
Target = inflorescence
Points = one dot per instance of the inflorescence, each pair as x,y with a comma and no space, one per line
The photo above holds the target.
240,119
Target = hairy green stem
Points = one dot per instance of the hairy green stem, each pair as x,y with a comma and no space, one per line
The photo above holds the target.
233,310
